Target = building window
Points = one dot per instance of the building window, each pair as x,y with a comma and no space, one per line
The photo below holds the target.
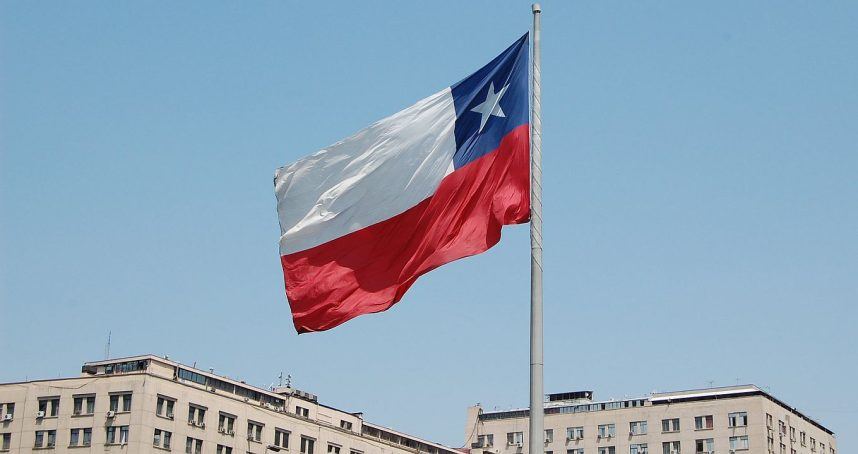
768,420
333,449
485,441
6,443
793,451
164,408
639,448
549,435
781,428
792,433
703,422
254,431
802,437
196,415
670,425
84,405
574,433
226,424
739,443
671,447
738,419
347,425
46,439
49,407
162,439
193,446
221,449
782,449
812,444
515,438
637,428
111,435
302,412
608,450
607,431
80,437
705,446
124,399
7,409
307,445
575,451
281,438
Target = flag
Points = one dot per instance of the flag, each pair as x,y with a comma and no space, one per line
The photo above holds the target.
362,219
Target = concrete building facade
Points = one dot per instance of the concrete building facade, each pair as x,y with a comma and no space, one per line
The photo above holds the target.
148,404
730,420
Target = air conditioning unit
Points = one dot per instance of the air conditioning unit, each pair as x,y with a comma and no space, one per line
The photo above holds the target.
7,417
547,440
517,444
202,425
631,433
40,414
170,415
111,414
221,430
230,432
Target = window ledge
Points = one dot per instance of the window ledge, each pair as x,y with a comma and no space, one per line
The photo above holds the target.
253,440
165,417
80,446
705,428
83,415
35,448
671,431
161,448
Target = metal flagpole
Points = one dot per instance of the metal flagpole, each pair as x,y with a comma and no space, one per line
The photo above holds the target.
537,411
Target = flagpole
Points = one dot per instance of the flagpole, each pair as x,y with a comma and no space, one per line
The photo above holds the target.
537,412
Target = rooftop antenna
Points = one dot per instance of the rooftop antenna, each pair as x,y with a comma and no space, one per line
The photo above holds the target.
711,383
280,377
107,346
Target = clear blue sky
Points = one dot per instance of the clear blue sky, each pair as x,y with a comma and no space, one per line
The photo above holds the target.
701,198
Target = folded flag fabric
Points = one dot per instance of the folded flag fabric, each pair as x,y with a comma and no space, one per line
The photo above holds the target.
362,219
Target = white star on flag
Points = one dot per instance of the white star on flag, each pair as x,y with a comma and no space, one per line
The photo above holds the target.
491,106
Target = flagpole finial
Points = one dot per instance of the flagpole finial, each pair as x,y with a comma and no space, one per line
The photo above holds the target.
536,8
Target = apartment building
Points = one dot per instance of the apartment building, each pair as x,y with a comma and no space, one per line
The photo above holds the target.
148,404
729,420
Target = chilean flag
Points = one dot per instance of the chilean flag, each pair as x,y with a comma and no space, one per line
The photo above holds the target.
362,219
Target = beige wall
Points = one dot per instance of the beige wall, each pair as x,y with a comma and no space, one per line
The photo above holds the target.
322,425
755,406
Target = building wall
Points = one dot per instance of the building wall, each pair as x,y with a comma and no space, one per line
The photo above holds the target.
322,425
756,408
